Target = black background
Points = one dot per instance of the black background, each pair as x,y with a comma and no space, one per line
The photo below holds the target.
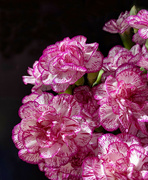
26,28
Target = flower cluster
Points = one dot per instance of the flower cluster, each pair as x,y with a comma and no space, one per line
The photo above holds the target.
95,126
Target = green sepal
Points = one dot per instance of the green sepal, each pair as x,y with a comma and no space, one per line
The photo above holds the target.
91,77
80,81
98,78
67,91
144,70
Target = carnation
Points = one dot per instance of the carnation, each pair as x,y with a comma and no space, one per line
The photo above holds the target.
73,169
119,157
117,26
123,99
118,56
51,129
63,63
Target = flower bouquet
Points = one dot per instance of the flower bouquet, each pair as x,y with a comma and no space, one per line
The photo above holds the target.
87,115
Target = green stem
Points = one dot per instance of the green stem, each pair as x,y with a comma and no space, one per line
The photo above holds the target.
146,44
127,40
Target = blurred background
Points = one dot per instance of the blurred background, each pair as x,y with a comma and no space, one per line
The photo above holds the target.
27,27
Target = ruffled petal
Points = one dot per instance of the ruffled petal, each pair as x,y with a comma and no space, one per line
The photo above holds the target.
108,119
143,33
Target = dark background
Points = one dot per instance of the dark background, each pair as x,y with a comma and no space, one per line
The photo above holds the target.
26,28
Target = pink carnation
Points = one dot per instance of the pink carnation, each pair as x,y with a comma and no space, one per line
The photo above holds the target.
73,169
123,100
63,63
117,26
120,157
84,95
118,56
51,129
140,21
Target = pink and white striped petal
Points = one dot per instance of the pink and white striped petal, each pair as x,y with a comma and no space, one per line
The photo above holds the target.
29,157
143,33
49,152
108,119
93,169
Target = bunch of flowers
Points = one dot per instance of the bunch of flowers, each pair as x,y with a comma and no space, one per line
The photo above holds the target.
95,125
